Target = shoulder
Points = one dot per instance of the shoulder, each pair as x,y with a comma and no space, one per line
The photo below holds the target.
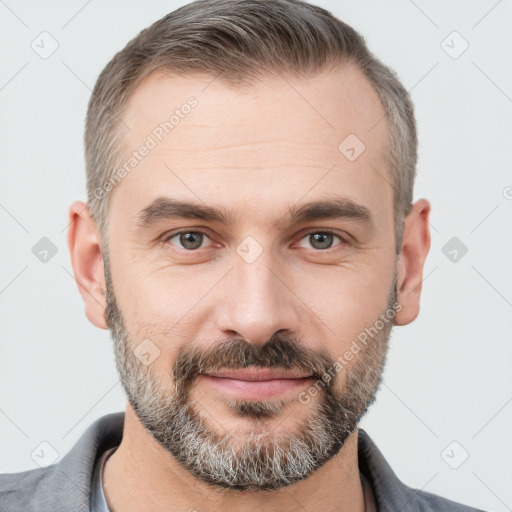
24,488
66,484
390,493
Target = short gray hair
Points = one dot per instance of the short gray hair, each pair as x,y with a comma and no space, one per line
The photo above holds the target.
239,41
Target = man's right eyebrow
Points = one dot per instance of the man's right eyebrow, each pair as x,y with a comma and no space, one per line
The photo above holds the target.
165,208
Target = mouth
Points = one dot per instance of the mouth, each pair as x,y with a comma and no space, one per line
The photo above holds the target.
257,383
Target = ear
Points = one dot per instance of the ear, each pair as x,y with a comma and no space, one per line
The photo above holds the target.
87,260
415,247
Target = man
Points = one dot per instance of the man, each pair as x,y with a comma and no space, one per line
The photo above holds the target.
250,240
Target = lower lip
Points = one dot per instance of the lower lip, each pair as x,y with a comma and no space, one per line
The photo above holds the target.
260,389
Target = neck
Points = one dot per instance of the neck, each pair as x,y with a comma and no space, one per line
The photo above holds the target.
141,475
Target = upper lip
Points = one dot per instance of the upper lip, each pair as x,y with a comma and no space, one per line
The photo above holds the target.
258,374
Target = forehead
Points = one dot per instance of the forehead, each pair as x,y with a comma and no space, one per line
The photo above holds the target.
278,139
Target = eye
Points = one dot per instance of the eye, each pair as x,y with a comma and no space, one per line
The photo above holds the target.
321,240
188,239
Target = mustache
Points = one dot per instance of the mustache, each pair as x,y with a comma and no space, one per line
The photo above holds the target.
277,352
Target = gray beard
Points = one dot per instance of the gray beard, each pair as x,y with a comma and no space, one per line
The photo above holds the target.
264,459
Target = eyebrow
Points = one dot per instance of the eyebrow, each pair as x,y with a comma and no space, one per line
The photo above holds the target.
166,208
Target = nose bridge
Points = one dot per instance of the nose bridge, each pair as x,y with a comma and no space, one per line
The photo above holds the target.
256,301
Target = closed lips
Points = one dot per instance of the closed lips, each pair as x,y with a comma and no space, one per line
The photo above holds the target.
258,374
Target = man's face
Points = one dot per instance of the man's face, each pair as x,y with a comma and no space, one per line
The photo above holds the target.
201,308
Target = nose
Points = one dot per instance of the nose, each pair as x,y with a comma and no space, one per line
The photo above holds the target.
256,301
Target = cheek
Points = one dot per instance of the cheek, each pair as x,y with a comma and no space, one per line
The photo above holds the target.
347,299
146,294
159,316
346,305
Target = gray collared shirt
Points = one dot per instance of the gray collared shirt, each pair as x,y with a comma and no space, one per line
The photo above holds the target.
67,485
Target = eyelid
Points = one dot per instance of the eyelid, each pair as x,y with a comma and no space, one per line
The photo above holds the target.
172,234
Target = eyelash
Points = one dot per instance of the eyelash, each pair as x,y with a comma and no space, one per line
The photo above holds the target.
323,231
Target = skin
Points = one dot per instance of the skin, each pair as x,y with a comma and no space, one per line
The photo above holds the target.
256,152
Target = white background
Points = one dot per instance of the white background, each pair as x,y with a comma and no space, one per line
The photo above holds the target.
449,373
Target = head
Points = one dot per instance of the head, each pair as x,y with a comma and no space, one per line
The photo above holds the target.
250,170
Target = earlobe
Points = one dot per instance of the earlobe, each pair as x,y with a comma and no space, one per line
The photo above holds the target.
87,260
415,247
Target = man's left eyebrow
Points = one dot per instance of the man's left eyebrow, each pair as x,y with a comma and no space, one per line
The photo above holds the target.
336,209
166,208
